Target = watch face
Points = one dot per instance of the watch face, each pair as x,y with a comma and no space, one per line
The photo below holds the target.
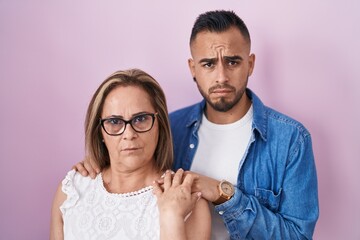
227,188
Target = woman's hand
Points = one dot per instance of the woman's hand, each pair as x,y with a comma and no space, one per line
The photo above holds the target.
175,203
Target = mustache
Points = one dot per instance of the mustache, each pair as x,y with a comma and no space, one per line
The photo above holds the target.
222,86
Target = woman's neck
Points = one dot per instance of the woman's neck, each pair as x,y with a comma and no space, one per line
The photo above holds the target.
120,181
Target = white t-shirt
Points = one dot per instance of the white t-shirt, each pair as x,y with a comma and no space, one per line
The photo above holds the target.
91,212
219,155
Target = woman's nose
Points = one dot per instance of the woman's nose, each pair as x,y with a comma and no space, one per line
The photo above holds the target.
129,132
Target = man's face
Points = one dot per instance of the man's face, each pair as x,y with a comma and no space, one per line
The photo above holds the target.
221,65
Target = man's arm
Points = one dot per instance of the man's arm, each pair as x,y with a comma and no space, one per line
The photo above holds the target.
246,217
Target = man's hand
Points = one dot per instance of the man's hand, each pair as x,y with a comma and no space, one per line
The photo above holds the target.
206,185
87,167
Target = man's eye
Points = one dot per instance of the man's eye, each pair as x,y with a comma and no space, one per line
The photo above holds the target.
232,63
208,65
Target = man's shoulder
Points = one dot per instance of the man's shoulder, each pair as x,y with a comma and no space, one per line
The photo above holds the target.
284,121
266,117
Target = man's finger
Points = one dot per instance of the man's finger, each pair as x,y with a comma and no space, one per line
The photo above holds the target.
89,168
93,164
81,169
189,179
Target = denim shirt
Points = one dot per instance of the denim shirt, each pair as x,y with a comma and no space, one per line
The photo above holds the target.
276,196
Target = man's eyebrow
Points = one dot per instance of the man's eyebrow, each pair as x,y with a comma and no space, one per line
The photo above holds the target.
227,58
233,58
207,60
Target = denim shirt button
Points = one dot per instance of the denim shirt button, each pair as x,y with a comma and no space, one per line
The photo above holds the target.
192,146
221,212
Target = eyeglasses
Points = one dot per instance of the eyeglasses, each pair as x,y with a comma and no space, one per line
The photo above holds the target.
115,126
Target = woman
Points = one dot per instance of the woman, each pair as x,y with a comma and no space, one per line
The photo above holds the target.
127,133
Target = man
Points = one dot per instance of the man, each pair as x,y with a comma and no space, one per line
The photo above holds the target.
270,191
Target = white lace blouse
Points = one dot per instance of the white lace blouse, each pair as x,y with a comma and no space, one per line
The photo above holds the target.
90,212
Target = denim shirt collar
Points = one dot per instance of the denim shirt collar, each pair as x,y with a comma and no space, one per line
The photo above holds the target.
260,118
259,115
196,114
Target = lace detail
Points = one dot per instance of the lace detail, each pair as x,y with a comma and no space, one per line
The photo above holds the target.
129,194
90,212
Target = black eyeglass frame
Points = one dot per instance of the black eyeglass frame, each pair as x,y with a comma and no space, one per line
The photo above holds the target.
153,115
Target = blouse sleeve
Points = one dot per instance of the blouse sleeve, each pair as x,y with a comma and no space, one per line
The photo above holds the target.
68,187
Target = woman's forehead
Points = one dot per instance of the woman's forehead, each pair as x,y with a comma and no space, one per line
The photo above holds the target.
127,100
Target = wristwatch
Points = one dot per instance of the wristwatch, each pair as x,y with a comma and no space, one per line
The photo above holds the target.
226,190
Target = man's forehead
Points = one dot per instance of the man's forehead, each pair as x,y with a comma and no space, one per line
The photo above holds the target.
230,32
230,42
217,50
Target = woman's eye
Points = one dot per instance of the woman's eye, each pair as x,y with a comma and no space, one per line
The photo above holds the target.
140,118
115,121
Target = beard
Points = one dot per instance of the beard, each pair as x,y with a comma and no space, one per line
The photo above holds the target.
223,104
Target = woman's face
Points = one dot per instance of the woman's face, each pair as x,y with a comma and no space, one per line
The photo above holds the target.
130,150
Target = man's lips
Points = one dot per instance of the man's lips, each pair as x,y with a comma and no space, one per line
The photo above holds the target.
222,90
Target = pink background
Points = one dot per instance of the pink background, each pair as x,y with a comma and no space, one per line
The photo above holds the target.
53,55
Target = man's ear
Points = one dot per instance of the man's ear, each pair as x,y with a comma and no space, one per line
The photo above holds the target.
251,64
191,65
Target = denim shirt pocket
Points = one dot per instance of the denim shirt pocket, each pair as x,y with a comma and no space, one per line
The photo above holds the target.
268,198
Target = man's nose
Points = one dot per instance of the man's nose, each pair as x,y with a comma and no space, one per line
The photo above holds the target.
222,76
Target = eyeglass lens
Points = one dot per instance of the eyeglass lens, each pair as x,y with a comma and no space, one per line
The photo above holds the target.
140,123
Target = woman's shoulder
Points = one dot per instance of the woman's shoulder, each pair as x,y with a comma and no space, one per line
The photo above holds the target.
75,178
75,183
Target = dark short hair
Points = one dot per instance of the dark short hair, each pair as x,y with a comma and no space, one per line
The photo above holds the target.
96,149
219,21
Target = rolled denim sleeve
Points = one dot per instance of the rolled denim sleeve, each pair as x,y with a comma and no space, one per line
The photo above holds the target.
295,218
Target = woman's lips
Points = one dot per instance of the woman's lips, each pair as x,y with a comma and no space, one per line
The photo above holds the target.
129,149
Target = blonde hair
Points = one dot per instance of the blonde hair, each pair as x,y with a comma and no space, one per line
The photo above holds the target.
94,146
